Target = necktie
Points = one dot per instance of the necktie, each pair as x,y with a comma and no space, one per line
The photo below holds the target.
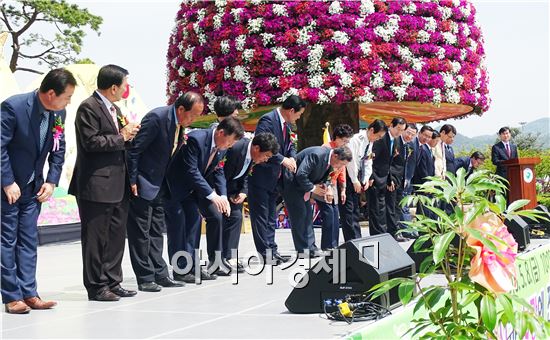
176,139
362,166
113,115
444,159
406,152
391,146
508,152
212,155
44,123
285,131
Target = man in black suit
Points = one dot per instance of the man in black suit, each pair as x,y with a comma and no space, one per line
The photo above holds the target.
241,158
426,167
202,156
265,183
503,151
448,134
381,195
162,130
410,149
470,164
100,184
27,142
313,175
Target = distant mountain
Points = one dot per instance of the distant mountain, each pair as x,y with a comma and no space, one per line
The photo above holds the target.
541,126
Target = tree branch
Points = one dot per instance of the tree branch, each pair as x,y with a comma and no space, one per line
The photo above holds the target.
28,23
5,20
28,70
37,55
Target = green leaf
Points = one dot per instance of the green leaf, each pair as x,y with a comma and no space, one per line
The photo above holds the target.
501,201
471,297
441,244
489,312
517,205
507,308
405,292
442,215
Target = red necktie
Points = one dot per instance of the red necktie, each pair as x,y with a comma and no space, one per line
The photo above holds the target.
508,150
284,131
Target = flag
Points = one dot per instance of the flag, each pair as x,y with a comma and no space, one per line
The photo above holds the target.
326,134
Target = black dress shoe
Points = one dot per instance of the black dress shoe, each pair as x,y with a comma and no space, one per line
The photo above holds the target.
168,282
190,278
105,295
220,271
401,238
123,292
149,287
280,258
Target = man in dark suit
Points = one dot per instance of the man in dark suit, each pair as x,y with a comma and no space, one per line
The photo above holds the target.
100,184
503,151
265,183
201,157
315,165
410,147
470,164
162,131
27,139
241,158
387,151
426,167
448,134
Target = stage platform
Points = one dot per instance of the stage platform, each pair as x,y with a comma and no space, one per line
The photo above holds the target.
216,309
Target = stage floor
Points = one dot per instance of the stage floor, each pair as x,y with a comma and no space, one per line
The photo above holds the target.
214,309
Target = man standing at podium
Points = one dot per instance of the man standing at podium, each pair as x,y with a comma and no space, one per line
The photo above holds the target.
503,151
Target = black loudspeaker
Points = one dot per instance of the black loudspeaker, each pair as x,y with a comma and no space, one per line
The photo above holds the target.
544,225
360,274
519,229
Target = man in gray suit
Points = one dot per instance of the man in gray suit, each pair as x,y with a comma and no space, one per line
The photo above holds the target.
315,165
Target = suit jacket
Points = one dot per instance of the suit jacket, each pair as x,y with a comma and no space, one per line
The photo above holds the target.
20,142
462,162
100,170
312,168
151,151
450,159
425,166
499,154
266,175
187,172
236,157
397,164
412,153
381,161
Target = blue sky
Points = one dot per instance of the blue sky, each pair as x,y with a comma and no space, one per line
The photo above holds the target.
135,35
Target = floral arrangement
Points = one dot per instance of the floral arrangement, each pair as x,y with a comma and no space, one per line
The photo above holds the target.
57,130
476,254
329,51
294,139
221,163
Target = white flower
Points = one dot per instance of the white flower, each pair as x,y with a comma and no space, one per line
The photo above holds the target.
473,45
287,67
437,97
454,27
291,91
172,87
366,8
383,64
217,19
323,99
193,79
446,12
441,53
367,97
248,54
359,22
452,96
226,73
430,25
279,52
335,8
455,66
181,71
236,13
174,63
279,10
387,30
201,13
449,38
423,37
303,36
449,80
365,47
459,80
314,58
180,46
224,46
346,80
188,55
273,81
410,8
417,64
332,91
315,81
456,3
399,91
466,10
465,30
202,38
405,54
337,66
406,78
220,3
239,42
340,37
240,73
255,25
376,80
463,54
267,38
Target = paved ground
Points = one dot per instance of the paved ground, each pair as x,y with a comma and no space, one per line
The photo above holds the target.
214,309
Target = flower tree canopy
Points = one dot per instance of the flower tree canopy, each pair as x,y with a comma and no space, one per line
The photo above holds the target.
423,60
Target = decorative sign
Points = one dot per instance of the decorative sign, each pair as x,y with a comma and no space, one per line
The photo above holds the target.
528,175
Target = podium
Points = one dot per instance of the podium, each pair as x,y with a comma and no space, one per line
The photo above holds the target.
522,178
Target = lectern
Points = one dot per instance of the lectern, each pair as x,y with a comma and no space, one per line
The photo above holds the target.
522,178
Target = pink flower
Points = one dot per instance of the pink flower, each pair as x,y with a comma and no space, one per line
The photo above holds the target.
496,273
